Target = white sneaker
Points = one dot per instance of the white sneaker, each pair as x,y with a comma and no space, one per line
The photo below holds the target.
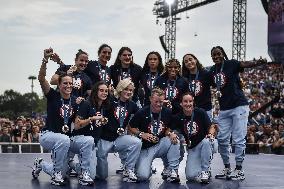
37,168
173,176
120,169
165,173
57,179
129,176
237,175
203,177
224,174
85,179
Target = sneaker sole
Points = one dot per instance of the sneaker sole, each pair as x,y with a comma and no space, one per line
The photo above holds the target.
128,180
239,178
57,183
205,181
173,180
86,183
223,177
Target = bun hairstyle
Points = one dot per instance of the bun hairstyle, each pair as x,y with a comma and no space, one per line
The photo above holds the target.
80,51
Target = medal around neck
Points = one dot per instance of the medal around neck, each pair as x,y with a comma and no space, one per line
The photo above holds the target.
155,139
218,94
65,128
120,131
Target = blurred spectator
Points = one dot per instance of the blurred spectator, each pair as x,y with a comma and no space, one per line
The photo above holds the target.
24,135
5,136
277,142
35,134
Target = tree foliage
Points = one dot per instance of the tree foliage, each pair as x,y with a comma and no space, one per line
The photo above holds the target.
14,104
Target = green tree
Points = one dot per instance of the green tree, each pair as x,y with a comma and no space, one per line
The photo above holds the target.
14,104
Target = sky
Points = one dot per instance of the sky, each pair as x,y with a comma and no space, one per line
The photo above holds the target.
27,27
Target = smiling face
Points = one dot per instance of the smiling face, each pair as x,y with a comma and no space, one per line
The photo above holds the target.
190,62
102,92
127,93
217,56
187,104
65,86
157,102
81,62
172,69
126,58
105,55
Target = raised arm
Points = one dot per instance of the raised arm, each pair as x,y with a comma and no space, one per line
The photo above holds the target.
42,72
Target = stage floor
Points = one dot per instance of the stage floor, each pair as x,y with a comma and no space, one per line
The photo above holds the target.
262,172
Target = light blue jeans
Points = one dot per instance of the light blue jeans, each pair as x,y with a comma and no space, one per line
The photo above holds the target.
233,123
165,150
199,158
127,146
59,145
83,146
209,113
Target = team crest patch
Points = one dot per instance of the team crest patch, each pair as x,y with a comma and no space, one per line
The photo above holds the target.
156,128
103,74
171,92
122,110
125,75
197,85
194,130
66,107
150,82
222,76
77,83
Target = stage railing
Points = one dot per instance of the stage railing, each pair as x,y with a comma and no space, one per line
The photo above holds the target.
16,147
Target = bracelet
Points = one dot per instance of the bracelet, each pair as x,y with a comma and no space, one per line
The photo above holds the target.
44,60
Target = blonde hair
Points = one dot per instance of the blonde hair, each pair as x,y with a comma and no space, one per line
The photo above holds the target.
123,84
158,91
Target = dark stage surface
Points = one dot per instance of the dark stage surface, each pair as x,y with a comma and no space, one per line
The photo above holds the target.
261,171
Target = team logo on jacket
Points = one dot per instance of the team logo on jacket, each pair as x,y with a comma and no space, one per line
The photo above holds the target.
150,82
156,128
222,77
197,85
104,75
125,75
171,92
77,83
122,110
194,129
67,108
